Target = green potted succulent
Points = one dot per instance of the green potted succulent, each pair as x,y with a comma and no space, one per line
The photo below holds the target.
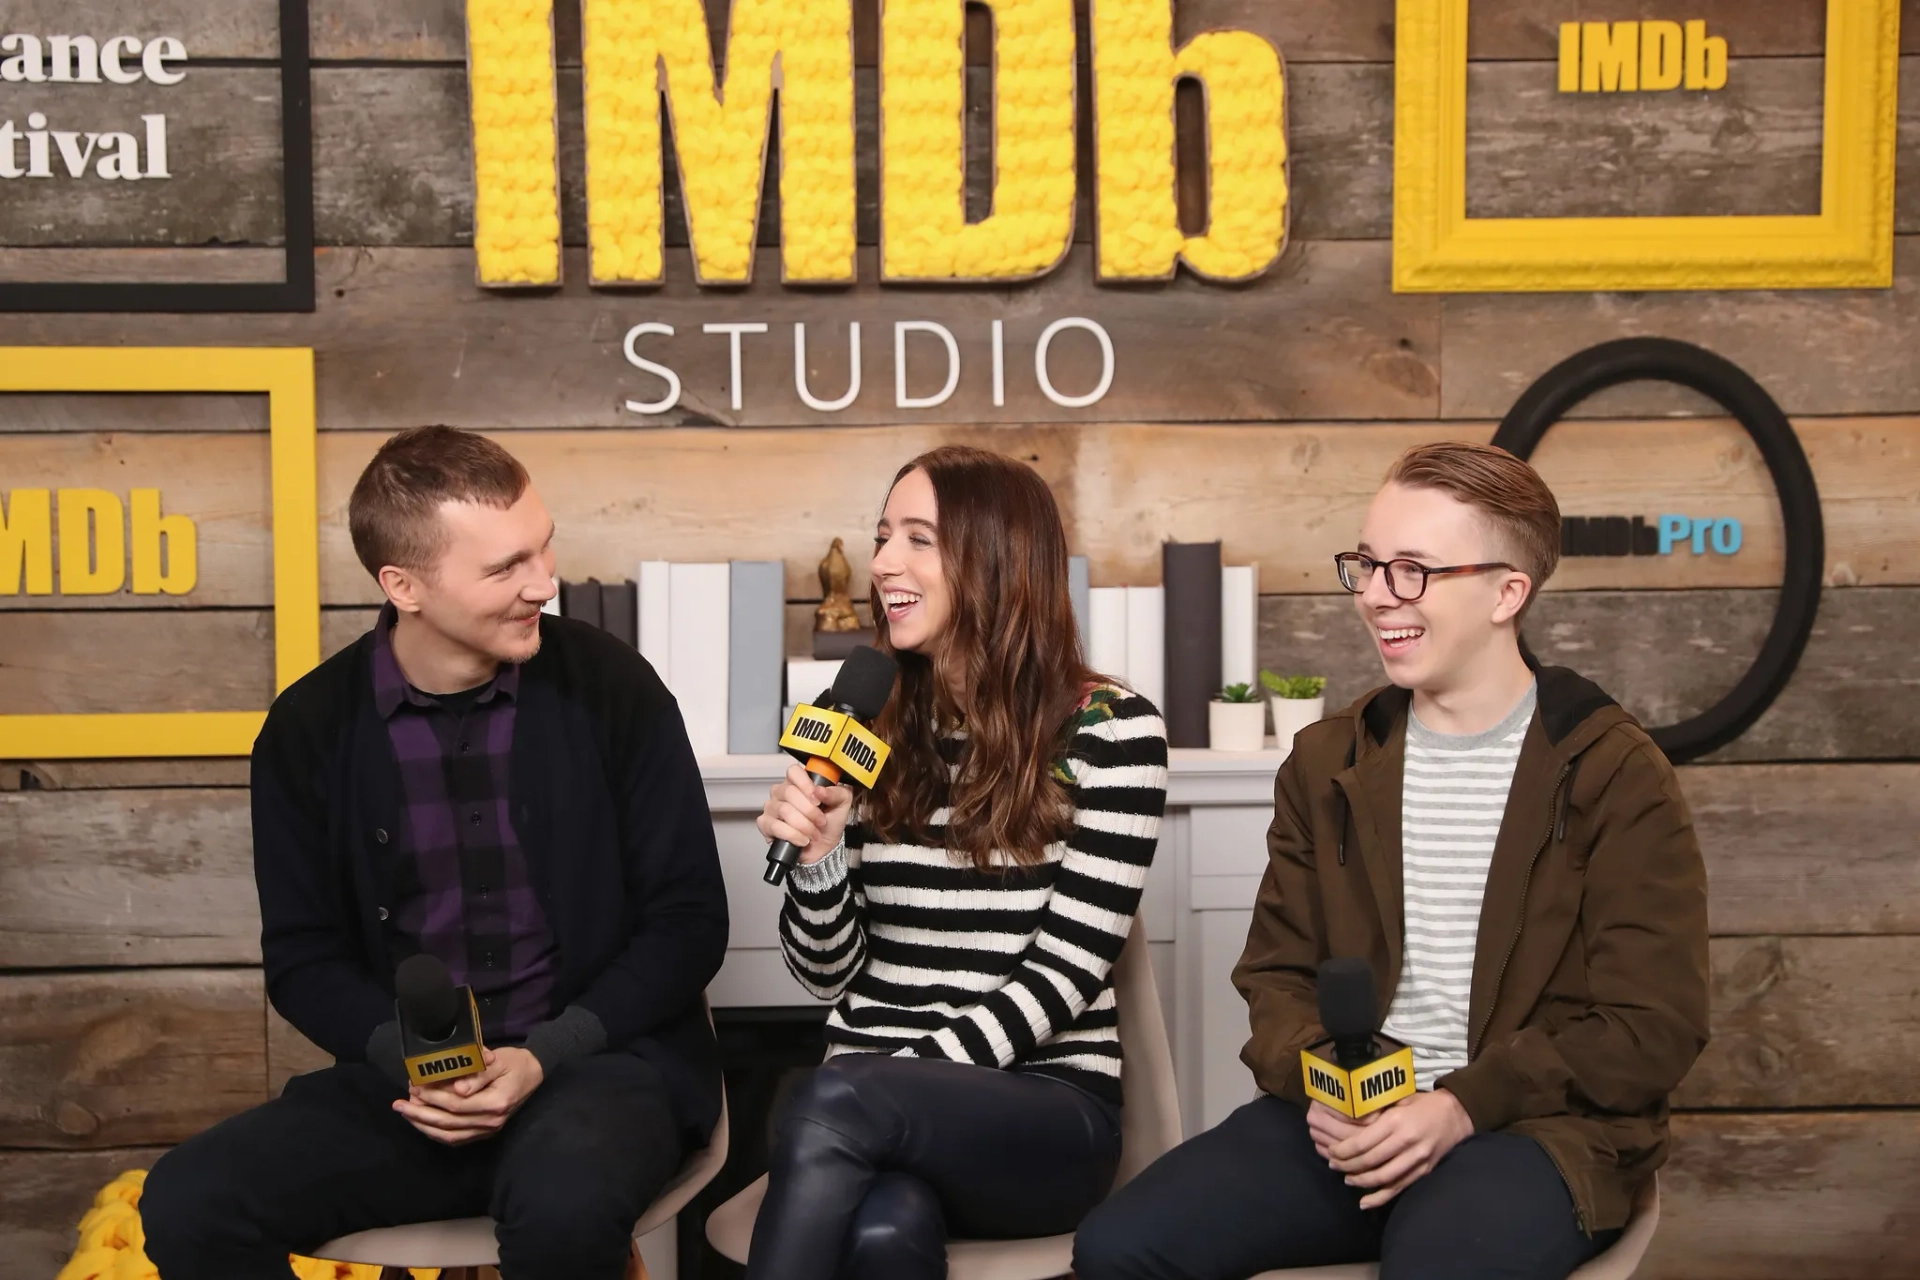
1237,719
1297,701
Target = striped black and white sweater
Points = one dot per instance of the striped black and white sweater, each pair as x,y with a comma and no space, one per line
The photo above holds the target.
1008,967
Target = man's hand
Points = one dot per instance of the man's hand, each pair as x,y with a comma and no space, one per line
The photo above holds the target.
475,1106
1329,1127
1400,1145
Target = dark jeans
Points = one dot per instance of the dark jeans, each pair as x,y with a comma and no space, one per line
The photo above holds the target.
1252,1195
878,1160
565,1179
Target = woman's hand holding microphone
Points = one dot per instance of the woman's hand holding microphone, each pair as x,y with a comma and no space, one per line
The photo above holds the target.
811,816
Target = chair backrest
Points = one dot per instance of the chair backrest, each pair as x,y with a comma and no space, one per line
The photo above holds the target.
700,1168
1150,1121
1622,1259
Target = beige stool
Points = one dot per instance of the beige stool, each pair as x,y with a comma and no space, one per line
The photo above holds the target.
1617,1263
462,1245
1149,1128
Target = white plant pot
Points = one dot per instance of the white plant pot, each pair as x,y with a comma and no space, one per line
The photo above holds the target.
1291,715
1236,726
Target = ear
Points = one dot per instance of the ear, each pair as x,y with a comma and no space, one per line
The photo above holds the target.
402,586
1516,589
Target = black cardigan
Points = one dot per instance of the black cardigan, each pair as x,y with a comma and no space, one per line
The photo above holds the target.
607,802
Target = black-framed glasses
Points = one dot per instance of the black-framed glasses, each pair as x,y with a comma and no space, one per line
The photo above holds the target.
1406,579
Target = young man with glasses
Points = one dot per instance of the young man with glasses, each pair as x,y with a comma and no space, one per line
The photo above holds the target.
1510,852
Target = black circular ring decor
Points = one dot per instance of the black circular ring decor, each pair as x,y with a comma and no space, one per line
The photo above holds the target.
1666,360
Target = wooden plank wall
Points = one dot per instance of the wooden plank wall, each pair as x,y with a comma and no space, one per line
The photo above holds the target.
131,1010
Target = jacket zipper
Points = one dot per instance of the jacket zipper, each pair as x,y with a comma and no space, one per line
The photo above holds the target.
1556,830
1344,808
1579,1210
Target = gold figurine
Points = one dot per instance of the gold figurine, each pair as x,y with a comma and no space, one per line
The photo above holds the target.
835,613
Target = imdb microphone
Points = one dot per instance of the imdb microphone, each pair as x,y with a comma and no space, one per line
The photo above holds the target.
832,742
1355,1070
439,1023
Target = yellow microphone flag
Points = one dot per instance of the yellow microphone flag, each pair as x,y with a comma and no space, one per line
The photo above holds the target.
1363,1090
815,733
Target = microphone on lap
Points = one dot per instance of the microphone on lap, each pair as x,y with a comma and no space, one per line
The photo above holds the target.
832,742
439,1023
1355,1070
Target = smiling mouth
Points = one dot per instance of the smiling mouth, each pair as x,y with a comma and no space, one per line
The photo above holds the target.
900,604
1399,639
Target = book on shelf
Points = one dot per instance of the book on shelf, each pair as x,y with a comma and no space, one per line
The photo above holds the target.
1239,624
1146,670
620,611
656,617
808,680
1106,637
698,607
1079,583
581,600
1193,582
756,655
1155,639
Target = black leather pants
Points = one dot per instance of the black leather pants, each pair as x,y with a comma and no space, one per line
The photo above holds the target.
879,1160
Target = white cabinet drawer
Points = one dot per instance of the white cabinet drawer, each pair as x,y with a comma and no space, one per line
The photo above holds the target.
1228,840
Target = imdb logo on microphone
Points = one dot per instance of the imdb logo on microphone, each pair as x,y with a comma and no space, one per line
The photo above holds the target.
815,733
434,1068
1363,1090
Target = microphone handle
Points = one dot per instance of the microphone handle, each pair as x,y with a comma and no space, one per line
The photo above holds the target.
782,856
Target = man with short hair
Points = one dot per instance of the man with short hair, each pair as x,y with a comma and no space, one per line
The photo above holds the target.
513,794
1511,853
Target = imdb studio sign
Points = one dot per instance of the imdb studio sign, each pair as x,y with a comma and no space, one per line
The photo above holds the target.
158,176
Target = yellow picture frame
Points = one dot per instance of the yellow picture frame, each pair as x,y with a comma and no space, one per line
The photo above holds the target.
1437,248
285,376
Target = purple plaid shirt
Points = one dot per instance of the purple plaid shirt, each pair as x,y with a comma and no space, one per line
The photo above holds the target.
462,889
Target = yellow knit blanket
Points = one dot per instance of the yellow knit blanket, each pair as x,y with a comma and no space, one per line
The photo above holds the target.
113,1243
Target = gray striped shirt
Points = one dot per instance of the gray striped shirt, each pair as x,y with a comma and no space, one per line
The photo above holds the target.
1453,796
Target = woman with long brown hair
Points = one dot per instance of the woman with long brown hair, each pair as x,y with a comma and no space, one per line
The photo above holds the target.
965,915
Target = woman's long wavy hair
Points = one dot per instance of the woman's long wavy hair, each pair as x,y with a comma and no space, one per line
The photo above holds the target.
1009,668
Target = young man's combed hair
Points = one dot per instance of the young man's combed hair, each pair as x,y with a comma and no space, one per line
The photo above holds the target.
1503,488
395,508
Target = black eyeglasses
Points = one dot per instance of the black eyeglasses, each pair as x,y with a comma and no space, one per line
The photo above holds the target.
1356,571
